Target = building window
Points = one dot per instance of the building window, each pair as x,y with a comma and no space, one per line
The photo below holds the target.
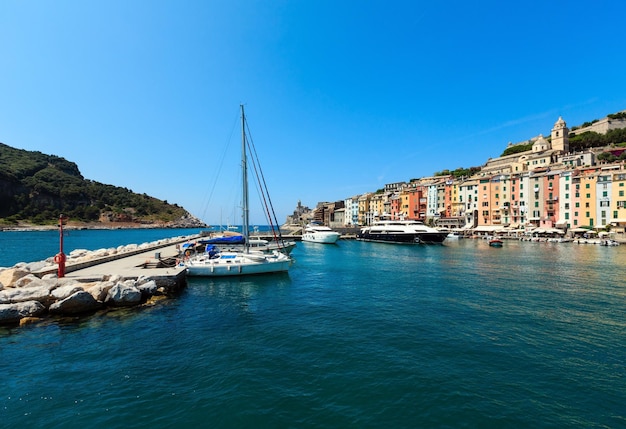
615,214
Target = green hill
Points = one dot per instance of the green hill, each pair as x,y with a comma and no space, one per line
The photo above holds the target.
36,188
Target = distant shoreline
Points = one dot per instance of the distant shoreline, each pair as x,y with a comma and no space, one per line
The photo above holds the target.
74,226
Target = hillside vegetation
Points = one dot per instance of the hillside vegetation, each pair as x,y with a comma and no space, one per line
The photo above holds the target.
580,142
37,188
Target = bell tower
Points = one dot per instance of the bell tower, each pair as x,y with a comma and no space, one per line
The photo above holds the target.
560,136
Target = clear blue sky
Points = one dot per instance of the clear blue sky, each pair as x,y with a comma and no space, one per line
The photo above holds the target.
341,96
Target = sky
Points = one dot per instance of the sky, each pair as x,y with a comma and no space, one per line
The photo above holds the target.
341,97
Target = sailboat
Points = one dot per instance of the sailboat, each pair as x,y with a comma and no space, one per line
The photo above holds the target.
213,262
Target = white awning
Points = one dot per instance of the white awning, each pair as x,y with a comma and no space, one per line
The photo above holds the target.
487,228
555,231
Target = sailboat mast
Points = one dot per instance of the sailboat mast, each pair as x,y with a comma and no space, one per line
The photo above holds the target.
244,179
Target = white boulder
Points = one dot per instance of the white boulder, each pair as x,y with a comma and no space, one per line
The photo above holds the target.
40,291
99,290
148,289
36,266
11,313
123,295
66,290
79,302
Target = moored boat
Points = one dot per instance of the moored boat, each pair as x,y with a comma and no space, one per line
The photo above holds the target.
315,232
495,242
213,262
401,232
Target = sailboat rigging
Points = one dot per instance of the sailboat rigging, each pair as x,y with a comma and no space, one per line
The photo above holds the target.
214,262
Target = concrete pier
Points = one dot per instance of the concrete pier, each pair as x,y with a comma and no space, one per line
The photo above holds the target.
157,262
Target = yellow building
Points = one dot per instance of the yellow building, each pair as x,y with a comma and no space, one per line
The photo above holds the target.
587,210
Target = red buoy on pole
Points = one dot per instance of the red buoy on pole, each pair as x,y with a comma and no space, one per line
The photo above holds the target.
60,257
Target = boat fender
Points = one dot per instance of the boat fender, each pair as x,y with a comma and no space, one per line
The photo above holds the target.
187,253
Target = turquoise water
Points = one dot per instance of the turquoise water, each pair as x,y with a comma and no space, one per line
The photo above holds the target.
355,335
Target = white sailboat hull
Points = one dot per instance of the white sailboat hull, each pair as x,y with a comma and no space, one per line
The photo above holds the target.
237,264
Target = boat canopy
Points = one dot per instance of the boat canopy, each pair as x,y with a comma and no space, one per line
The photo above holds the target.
229,239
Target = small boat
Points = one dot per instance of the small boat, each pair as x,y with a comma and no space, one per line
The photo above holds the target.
454,235
609,243
401,232
495,242
315,232
214,262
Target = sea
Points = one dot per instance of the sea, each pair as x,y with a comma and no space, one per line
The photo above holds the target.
355,335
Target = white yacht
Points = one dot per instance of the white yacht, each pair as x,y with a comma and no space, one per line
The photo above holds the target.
315,232
401,231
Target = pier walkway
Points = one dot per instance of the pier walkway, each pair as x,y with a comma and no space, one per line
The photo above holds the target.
149,261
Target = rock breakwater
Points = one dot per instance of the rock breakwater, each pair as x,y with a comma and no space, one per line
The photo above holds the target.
30,292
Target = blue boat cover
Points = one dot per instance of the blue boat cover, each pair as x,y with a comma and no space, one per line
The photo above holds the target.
232,239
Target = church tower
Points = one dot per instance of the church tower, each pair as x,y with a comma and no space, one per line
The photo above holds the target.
560,136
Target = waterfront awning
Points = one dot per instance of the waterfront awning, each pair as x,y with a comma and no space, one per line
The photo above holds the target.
585,230
555,231
487,228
